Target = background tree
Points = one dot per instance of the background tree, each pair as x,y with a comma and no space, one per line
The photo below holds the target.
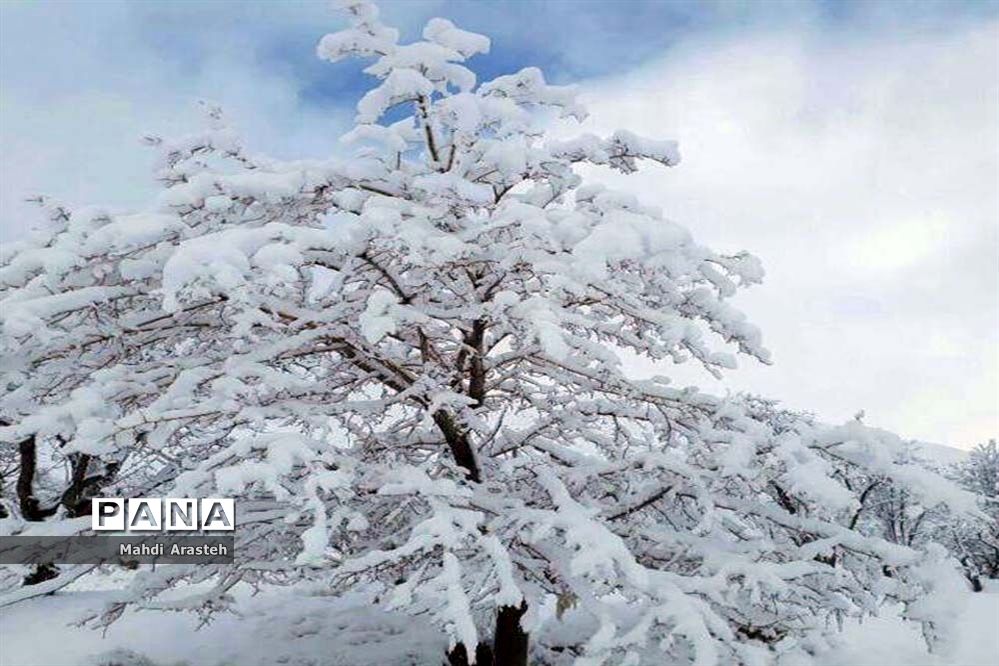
975,542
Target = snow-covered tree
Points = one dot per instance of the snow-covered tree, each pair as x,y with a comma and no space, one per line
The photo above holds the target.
975,543
980,472
893,512
405,366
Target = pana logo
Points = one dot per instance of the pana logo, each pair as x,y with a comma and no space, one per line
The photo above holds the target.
153,514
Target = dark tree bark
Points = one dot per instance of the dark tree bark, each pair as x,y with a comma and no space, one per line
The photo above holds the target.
484,655
459,656
40,574
31,510
459,443
29,505
511,641
477,368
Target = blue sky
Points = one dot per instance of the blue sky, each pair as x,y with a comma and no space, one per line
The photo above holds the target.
853,146
571,40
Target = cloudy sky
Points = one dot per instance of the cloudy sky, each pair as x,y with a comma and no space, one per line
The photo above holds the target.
853,146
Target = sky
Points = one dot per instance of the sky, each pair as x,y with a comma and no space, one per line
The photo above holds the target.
852,146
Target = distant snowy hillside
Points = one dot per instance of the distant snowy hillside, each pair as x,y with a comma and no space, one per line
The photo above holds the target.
945,455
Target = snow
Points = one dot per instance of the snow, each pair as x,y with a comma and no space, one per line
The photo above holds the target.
886,641
334,632
529,85
368,38
443,32
377,320
313,630
401,85
24,316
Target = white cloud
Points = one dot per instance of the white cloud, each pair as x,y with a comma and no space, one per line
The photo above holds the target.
80,84
896,246
863,171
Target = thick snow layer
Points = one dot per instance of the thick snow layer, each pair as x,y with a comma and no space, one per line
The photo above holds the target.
322,630
275,628
886,641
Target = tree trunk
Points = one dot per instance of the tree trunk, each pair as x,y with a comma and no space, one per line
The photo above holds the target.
459,655
31,510
511,641
509,644
76,497
458,441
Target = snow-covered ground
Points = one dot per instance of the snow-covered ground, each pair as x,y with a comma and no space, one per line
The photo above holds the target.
887,641
36,633
272,628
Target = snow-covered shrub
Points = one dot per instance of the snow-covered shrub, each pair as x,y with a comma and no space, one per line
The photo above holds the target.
405,364
975,542
893,512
